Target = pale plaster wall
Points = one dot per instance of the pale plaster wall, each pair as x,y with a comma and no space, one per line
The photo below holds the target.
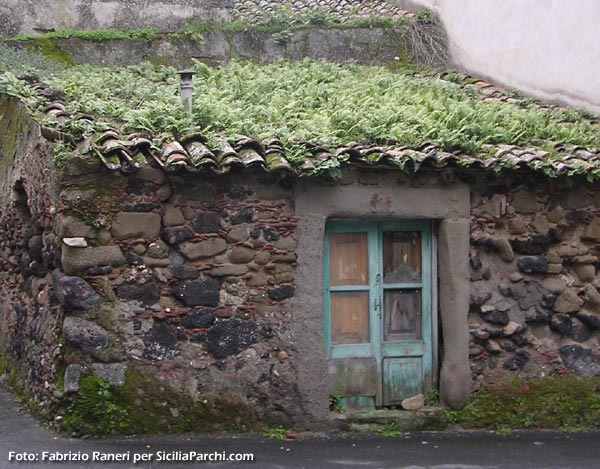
544,48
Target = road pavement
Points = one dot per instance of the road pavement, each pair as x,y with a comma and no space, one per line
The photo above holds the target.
22,437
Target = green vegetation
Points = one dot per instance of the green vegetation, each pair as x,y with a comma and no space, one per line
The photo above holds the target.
277,433
432,398
328,104
143,405
314,101
390,429
21,61
336,403
99,35
567,403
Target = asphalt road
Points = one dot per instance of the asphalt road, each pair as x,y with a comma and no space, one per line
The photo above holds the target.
23,437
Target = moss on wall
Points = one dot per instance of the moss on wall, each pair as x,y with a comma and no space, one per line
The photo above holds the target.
145,405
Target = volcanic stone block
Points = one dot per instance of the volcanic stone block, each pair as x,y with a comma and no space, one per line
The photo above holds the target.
581,361
533,265
537,244
203,249
85,335
207,222
198,319
78,260
160,342
281,293
568,301
147,293
74,292
561,323
230,337
135,225
494,316
177,234
241,255
193,293
184,272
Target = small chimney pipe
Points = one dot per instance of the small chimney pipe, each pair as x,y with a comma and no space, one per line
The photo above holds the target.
186,85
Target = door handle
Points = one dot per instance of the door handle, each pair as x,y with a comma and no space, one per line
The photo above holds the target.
377,304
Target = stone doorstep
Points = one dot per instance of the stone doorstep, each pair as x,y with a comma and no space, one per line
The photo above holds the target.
425,419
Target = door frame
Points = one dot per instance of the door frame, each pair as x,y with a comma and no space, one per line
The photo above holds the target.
426,347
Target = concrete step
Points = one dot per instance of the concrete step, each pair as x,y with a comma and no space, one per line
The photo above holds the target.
373,421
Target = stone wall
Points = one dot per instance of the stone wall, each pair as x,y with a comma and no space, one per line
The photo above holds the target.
367,46
30,320
38,16
193,277
535,301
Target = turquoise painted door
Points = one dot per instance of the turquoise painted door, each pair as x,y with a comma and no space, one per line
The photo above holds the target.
378,303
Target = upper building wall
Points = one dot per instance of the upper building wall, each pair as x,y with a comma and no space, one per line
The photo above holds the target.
31,16
543,48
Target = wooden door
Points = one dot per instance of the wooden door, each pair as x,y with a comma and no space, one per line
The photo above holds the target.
378,302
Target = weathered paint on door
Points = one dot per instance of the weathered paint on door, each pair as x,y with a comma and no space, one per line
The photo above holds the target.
378,303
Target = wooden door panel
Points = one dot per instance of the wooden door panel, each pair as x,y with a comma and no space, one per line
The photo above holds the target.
401,315
401,257
348,259
350,318
402,378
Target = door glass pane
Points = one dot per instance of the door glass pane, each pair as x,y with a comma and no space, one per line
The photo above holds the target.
402,314
348,259
401,257
349,317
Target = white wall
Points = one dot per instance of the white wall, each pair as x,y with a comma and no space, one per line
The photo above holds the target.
549,49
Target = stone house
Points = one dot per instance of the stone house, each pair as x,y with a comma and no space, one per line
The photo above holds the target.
236,275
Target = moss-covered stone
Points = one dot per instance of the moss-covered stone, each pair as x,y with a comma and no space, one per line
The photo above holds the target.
145,405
